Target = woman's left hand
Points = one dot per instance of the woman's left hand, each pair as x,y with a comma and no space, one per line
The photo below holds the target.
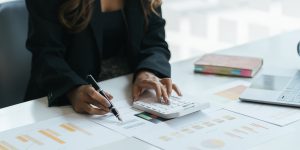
147,80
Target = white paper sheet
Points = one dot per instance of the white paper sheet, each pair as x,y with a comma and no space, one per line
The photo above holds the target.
131,125
278,115
127,144
67,132
224,94
222,130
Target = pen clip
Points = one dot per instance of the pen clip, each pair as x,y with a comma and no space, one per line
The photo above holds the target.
93,82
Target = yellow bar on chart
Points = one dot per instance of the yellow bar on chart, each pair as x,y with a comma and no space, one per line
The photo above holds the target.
78,128
2,147
165,138
6,146
232,93
197,127
248,129
22,139
33,140
228,117
67,127
239,131
259,126
54,138
208,124
233,135
53,132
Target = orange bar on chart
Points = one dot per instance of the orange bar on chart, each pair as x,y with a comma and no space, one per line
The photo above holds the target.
228,117
54,138
67,127
233,135
33,140
78,128
232,93
6,146
249,129
2,147
53,132
22,139
258,126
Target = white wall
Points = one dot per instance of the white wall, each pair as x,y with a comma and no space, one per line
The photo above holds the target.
203,26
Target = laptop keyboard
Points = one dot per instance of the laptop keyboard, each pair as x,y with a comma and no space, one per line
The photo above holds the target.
292,93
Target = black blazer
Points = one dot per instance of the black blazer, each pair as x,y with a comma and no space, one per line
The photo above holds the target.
61,60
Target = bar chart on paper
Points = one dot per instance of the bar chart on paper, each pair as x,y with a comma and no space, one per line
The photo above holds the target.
68,132
225,94
232,93
278,115
134,122
220,130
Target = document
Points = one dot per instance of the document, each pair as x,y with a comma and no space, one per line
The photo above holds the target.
223,95
222,130
126,144
67,132
134,122
278,115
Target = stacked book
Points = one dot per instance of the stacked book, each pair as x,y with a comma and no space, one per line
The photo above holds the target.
228,65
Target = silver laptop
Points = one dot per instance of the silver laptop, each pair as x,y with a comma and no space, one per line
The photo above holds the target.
270,89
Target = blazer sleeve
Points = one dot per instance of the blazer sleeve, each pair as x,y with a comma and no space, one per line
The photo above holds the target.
154,54
51,72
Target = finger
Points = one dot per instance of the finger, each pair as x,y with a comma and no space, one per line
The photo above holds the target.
95,95
78,109
165,95
99,106
176,89
168,83
157,88
150,84
135,92
93,111
110,97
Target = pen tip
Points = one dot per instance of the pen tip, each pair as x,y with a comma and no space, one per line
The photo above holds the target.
120,119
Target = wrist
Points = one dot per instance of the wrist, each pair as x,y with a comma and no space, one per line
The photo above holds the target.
145,70
71,92
142,73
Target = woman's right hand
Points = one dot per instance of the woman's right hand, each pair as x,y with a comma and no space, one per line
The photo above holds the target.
85,99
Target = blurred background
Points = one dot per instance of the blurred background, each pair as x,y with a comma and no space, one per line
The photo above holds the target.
202,26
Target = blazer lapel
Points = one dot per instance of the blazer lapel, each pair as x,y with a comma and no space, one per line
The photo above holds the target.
97,26
135,23
134,20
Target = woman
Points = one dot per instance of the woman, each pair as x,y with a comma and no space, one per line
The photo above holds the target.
70,39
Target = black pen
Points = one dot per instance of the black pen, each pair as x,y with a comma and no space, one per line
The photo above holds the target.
93,82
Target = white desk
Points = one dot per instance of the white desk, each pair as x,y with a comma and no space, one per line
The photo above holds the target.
278,52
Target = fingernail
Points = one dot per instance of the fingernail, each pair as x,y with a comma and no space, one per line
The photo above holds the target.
107,103
134,98
168,101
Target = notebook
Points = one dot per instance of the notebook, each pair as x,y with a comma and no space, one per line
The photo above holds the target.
228,65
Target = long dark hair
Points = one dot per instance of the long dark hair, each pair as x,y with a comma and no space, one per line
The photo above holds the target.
75,15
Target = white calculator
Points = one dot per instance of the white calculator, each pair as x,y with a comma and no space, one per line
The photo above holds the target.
179,106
